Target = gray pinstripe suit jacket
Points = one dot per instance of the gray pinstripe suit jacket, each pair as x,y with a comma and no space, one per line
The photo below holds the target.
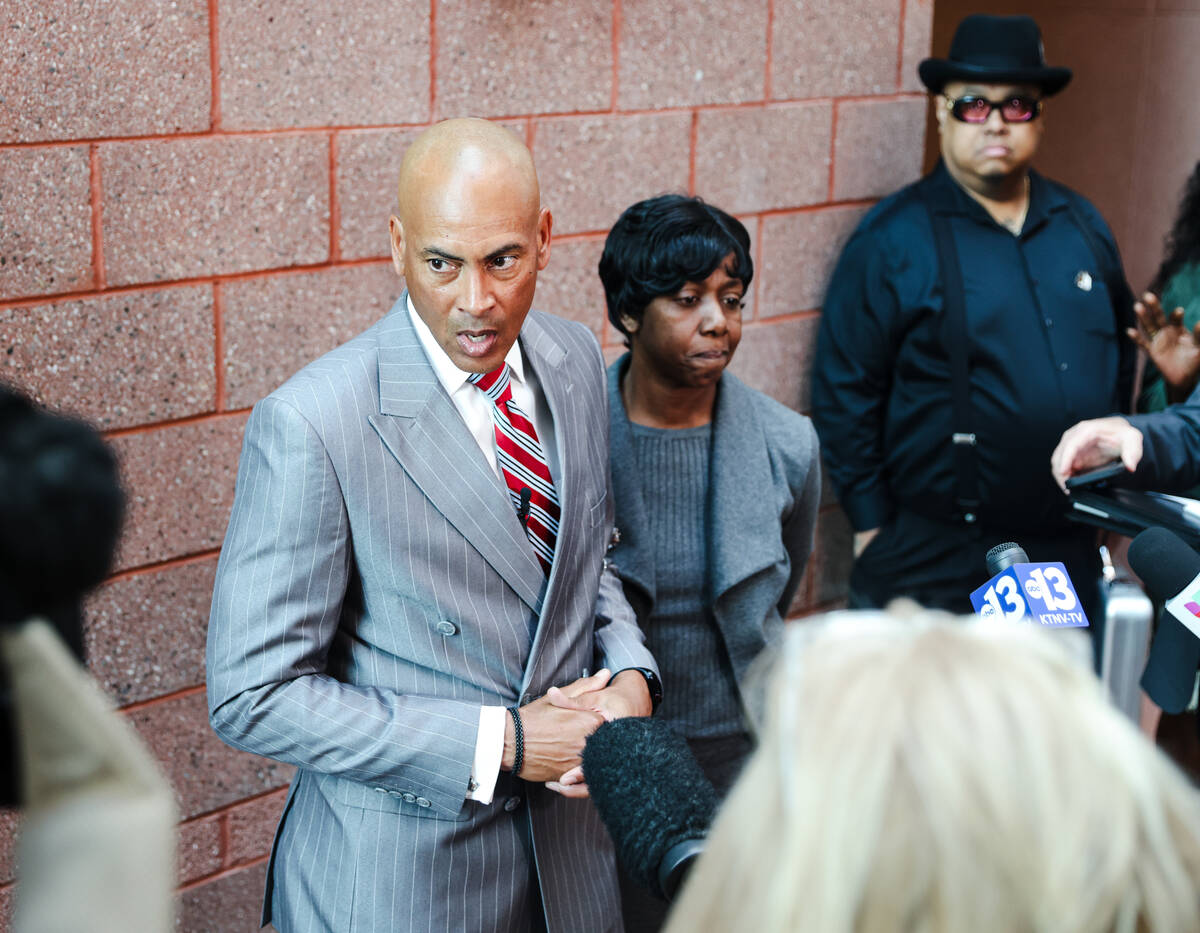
374,590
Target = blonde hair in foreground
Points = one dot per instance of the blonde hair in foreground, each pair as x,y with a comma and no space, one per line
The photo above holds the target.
927,774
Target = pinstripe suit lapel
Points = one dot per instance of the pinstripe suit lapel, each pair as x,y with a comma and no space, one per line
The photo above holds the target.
547,357
423,430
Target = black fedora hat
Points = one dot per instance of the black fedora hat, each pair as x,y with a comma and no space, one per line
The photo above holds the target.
995,50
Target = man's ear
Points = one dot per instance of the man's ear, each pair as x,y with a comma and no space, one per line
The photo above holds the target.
396,235
545,224
629,323
939,111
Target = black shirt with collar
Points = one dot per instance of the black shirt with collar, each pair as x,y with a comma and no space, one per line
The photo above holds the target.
1046,349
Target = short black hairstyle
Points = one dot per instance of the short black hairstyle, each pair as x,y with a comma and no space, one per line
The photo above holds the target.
61,506
659,245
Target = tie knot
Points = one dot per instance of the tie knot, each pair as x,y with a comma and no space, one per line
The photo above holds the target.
493,384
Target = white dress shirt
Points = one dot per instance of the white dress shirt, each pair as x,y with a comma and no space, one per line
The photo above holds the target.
476,410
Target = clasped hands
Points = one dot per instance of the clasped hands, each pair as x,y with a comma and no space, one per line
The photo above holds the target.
557,725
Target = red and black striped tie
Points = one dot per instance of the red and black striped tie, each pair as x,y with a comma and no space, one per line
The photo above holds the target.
522,463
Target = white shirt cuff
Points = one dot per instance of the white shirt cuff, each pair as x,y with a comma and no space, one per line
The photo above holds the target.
489,751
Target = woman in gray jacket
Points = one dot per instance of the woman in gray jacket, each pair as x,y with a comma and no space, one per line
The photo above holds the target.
716,485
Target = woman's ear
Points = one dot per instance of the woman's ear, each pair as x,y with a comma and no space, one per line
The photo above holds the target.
630,324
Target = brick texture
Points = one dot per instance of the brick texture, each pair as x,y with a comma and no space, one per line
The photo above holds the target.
680,55
570,285
252,827
777,359
199,852
798,255
498,58
205,772
322,64
10,825
144,634
229,904
592,168
193,204
179,481
45,221
918,33
274,325
118,361
834,49
367,170
8,903
193,207
118,68
878,147
782,157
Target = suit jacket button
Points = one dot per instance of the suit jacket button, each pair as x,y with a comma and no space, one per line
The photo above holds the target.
512,803
381,790
446,627
395,793
409,797
422,802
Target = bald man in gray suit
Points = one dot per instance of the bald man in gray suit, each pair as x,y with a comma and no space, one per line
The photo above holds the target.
389,615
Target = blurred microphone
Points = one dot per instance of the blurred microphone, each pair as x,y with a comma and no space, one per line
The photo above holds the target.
1021,591
1003,556
653,798
1170,569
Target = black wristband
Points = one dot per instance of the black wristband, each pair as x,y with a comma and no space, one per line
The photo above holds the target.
518,741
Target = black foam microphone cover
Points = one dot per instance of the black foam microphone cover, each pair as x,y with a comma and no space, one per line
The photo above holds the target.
1003,556
1164,561
1167,564
650,793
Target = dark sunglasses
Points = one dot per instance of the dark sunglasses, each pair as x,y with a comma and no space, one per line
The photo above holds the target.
1015,109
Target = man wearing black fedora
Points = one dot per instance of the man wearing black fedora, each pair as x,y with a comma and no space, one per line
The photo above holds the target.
972,317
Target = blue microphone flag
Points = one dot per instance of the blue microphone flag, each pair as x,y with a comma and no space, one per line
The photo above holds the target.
1041,593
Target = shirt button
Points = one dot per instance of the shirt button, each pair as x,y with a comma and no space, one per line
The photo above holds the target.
422,802
446,627
1049,322
512,803
1062,367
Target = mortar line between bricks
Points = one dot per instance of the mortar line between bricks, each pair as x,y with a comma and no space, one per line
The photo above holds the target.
117,433
96,195
900,47
787,316
755,104
179,694
214,68
135,287
335,204
618,21
832,147
219,344
226,809
693,142
433,50
216,876
768,83
169,564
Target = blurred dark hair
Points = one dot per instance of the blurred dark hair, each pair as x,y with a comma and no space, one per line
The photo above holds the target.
60,513
1182,244
659,245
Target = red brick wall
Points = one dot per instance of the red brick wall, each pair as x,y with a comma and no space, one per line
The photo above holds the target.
193,202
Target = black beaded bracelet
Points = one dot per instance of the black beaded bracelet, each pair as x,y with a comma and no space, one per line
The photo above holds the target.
518,741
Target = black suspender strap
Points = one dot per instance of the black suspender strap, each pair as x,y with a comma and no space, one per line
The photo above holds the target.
954,333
